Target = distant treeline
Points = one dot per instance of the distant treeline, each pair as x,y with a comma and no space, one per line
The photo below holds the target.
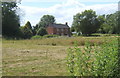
84,23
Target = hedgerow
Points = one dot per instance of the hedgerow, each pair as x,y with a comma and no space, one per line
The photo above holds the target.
97,60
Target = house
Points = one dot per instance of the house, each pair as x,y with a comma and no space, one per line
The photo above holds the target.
59,29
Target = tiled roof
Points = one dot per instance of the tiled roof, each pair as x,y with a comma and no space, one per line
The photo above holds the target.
59,25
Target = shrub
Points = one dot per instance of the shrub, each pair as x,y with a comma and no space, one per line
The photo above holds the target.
53,44
50,36
37,37
94,60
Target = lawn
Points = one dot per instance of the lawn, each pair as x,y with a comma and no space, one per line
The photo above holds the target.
40,57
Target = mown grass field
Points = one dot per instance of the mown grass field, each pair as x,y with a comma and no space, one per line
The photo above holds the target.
40,57
0,57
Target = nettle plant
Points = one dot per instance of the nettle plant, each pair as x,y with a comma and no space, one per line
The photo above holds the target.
93,60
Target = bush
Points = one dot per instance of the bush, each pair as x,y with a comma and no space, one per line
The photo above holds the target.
94,60
37,37
42,31
50,36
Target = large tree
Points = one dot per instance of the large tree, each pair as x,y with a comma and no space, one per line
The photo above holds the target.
46,20
10,20
87,22
27,30
111,23
42,31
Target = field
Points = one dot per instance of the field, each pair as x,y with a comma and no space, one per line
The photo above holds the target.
0,57
41,57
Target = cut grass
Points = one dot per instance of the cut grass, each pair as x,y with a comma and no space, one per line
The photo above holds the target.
40,57
19,60
0,57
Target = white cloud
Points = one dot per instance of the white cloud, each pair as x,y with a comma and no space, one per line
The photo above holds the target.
104,8
64,12
70,0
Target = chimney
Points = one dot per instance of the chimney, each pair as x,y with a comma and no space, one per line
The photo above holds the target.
66,23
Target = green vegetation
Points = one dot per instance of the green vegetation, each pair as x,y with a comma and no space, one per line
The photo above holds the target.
46,20
45,36
26,30
37,37
39,29
47,56
87,22
98,60
111,24
42,31
35,53
10,20
50,36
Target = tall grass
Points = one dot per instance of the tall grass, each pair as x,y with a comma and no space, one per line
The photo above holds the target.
60,41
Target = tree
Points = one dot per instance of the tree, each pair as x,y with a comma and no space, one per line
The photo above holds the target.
35,29
112,21
28,25
110,26
72,29
87,22
10,20
46,20
42,31
27,30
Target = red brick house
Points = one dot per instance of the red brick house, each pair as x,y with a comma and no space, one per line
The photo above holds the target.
59,29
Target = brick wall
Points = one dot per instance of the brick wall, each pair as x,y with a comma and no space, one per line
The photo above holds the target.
58,31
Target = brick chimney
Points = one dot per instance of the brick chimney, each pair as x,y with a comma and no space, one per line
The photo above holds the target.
66,23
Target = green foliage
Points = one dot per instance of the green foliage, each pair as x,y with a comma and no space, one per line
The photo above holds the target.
39,29
87,22
27,30
72,29
28,25
110,25
94,60
10,20
45,36
50,36
42,31
36,37
107,59
46,20
35,29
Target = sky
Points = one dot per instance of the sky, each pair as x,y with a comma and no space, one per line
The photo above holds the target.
63,10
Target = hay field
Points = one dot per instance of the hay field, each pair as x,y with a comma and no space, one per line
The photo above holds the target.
40,57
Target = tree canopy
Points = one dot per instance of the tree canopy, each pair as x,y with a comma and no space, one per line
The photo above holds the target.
86,22
46,20
27,30
42,31
10,20
111,24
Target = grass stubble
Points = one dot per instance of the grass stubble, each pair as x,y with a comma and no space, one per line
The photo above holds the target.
40,57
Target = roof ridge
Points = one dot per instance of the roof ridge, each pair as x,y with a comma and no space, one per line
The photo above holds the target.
59,25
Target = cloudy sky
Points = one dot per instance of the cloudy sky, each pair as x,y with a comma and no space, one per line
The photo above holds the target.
63,10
